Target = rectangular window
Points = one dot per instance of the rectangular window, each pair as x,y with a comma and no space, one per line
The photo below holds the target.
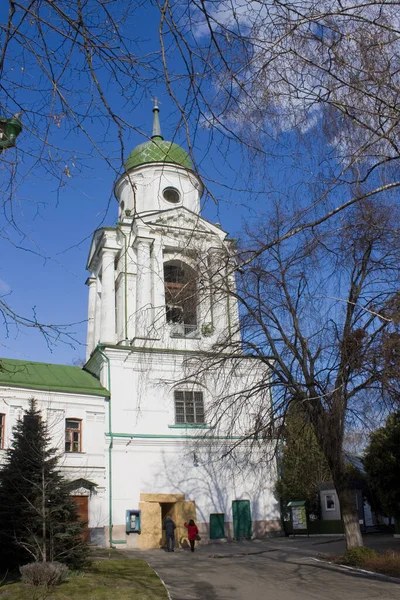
73,435
189,407
2,430
330,502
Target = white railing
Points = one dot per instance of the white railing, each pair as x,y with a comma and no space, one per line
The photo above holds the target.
182,330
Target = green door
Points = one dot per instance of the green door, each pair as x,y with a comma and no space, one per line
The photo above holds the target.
241,518
217,529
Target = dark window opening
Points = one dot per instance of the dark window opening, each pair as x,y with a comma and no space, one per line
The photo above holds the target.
171,195
181,296
174,314
174,274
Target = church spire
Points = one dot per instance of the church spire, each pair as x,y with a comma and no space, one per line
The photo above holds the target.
156,121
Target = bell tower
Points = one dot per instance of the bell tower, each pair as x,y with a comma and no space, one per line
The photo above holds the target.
161,276
159,302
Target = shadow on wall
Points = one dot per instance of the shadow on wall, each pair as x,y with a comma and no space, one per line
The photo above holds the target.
212,480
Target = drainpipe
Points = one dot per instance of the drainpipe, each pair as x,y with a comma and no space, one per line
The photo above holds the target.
125,280
110,446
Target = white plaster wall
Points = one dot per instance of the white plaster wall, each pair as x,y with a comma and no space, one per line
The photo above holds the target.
167,467
149,457
56,407
143,383
141,191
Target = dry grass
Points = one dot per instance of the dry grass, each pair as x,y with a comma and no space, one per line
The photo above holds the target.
387,563
122,579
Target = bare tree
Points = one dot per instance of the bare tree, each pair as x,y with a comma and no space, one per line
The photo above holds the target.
72,72
320,314
311,87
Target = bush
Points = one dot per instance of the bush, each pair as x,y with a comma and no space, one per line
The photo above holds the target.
387,563
44,574
356,557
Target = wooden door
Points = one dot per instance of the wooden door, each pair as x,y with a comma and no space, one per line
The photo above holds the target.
82,505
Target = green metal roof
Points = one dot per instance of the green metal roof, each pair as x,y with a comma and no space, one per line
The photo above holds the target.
158,150
48,377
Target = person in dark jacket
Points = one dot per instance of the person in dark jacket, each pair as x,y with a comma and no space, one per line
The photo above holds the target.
193,532
169,527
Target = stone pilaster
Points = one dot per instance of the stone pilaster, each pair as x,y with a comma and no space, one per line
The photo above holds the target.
90,341
158,286
107,331
143,289
219,299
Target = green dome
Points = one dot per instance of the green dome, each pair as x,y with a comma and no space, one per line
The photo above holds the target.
158,150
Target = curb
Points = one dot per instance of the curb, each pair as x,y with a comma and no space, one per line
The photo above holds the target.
162,581
356,570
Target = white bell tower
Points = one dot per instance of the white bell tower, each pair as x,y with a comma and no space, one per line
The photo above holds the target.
159,303
160,277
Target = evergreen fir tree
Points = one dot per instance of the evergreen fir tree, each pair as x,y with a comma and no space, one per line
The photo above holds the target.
38,517
302,465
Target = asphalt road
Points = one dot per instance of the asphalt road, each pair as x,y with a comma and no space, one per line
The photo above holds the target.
279,570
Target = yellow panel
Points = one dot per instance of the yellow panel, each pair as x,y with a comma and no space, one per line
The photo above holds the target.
151,532
182,512
161,497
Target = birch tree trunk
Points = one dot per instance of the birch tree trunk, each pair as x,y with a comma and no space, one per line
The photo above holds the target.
350,518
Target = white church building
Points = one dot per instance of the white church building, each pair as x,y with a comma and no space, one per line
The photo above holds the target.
145,428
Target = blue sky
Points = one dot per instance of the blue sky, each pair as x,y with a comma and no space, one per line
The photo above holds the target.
47,278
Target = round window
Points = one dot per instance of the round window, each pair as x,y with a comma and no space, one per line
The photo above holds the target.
171,195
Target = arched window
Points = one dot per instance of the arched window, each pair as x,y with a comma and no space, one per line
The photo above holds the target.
180,297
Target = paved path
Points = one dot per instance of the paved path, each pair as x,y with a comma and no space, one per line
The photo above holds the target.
274,570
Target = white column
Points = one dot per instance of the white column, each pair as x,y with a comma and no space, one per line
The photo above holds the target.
97,312
131,292
219,300
143,289
90,340
107,333
158,287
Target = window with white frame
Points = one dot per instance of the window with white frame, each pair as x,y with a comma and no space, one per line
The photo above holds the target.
2,429
330,503
73,435
189,407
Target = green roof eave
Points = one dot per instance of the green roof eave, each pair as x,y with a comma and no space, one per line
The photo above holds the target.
49,377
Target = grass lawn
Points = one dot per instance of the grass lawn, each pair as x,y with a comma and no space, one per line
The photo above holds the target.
122,579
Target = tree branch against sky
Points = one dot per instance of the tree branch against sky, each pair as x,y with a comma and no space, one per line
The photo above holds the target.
315,85
73,71
320,311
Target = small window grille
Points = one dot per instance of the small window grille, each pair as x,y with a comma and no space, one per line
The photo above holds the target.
189,407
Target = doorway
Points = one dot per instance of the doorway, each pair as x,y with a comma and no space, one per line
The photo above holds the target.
82,509
167,510
242,526
217,526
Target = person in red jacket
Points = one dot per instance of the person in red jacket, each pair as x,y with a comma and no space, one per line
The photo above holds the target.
193,533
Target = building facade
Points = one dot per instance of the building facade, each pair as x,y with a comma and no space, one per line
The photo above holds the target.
160,303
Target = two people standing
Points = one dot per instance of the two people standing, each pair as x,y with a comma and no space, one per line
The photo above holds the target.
169,528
